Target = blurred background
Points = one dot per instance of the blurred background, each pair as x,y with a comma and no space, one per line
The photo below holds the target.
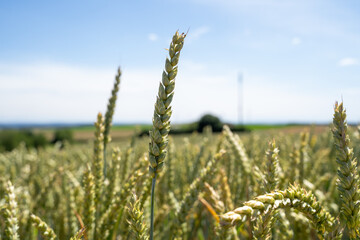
252,62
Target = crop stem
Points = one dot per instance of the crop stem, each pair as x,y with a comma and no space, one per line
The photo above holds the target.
153,183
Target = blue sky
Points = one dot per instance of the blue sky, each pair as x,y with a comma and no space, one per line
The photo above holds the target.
58,59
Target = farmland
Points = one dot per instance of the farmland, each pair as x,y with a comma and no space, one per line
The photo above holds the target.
51,179
282,182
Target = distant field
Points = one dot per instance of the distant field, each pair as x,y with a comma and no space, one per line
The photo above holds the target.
266,126
121,132
86,133
114,128
118,132
289,128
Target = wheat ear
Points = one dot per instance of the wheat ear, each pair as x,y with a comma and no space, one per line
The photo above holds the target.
170,171
89,204
162,112
272,178
110,220
109,114
348,176
112,177
98,162
125,163
225,190
10,212
293,197
213,198
303,156
79,235
193,192
294,156
244,169
44,229
262,229
136,219
97,166
239,152
161,120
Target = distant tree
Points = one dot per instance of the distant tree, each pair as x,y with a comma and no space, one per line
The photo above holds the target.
10,139
62,135
39,140
209,120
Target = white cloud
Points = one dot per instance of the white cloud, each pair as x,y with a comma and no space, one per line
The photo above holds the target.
191,66
237,3
153,37
296,41
267,99
348,62
197,32
287,15
53,92
61,93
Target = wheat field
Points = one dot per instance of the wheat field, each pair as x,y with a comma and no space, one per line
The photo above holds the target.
259,185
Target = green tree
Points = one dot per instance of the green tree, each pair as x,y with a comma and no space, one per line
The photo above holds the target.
209,120
62,135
